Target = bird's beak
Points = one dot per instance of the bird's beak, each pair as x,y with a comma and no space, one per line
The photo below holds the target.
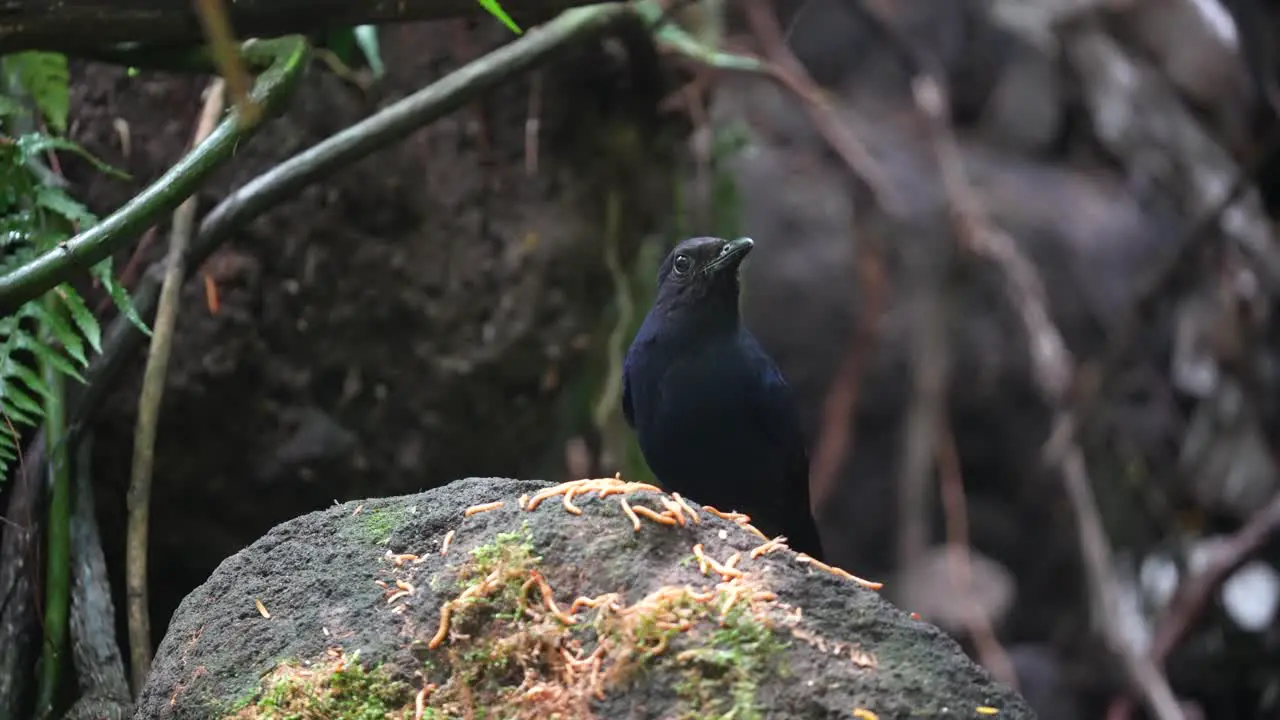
731,255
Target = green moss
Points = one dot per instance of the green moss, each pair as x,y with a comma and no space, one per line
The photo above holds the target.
343,689
377,525
510,655
721,678
509,549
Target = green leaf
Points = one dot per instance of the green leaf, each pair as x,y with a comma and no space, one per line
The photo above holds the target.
366,37
33,381
19,405
7,454
342,43
50,356
21,417
81,315
44,75
55,200
32,144
9,106
105,274
495,9
62,332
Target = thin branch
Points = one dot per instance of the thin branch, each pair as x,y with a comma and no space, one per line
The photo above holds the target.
1052,368
144,439
784,67
929,266
951,483
1195,592
222,44
97,243
1123,94
836,438
1152,288
610,396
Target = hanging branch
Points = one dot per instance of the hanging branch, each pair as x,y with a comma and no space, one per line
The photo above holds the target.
1052,369
288,56
144,439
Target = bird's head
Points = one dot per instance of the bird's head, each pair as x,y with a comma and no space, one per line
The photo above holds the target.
699,277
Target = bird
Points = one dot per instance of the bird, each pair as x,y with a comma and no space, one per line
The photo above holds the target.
711,411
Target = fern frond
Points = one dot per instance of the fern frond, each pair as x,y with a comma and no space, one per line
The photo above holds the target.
495,9
21,350
59,203
44,335
46,78
32,145
9,106
49,355
61,332
104,273
80,314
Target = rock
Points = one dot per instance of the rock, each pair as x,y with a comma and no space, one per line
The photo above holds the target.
787,639
1027,107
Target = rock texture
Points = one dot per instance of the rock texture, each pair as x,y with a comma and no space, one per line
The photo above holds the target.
769,636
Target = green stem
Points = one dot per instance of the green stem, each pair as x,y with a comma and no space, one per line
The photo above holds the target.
58,577
611,392
59,264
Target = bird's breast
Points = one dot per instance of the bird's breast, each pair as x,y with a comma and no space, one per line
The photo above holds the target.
698,413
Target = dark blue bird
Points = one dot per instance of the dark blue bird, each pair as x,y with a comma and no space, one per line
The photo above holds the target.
714,417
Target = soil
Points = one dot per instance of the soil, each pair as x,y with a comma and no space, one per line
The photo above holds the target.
844,648
405,322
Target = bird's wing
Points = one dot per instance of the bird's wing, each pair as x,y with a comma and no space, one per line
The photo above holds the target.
775,411
778,414
627,411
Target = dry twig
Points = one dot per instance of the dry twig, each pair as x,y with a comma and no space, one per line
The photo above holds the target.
1052,368
990,651
217,26
784,67
1195,592
139,497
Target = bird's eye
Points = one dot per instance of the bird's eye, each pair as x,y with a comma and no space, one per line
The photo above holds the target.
682,264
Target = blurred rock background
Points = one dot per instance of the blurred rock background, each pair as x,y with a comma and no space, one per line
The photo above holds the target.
450,307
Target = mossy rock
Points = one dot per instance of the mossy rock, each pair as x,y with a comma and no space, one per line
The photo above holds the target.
558,609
